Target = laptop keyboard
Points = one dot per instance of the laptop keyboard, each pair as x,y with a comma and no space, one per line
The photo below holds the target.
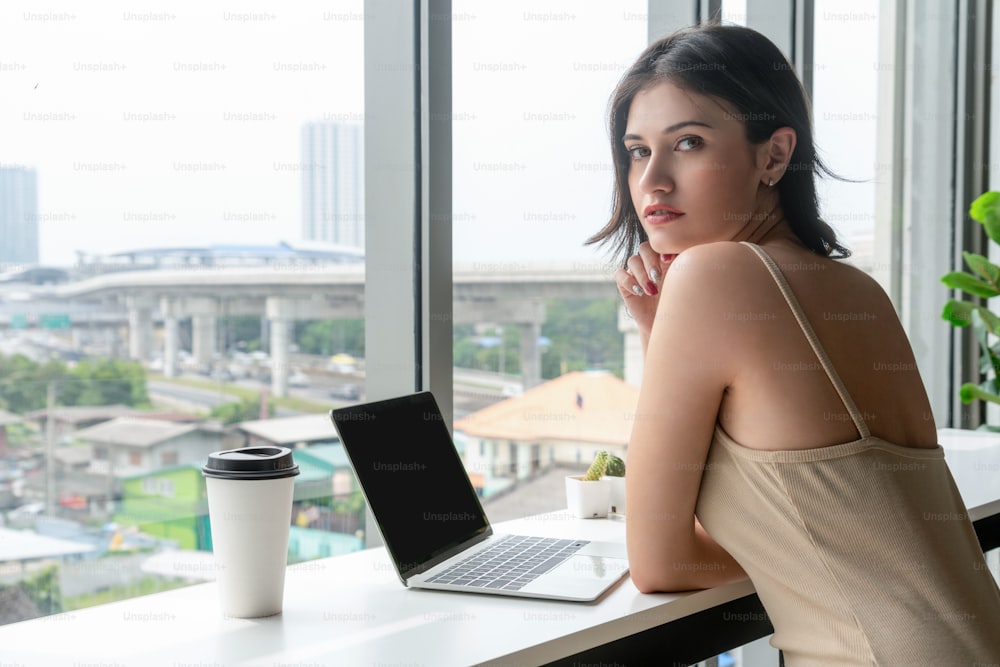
510,564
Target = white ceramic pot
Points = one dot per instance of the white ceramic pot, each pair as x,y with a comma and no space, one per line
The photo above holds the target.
587,499
617,501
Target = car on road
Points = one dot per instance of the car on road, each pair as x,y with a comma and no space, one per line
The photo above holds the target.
298,379
350,392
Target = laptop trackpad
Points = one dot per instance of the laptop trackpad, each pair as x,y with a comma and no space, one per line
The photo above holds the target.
592,568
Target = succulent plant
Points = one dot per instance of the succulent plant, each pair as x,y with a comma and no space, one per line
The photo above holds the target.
615,467
605,464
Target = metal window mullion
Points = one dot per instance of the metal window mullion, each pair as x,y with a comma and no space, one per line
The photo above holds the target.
932,101
391,190
803,29
890,165
971,179
437,348
408,280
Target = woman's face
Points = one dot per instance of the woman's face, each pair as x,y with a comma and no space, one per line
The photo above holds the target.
693,176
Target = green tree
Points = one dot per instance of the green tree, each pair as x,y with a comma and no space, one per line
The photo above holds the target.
24,383
238,411
43,588
329,337
107,382
241,331
583,333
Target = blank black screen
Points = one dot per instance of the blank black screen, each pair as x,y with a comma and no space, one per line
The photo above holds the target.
412,476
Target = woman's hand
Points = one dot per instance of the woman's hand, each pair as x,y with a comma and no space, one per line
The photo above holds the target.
639,285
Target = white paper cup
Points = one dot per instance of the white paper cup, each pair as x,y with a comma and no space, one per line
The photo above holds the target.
250,506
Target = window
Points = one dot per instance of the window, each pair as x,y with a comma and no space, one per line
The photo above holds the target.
175,171
844,116
532,180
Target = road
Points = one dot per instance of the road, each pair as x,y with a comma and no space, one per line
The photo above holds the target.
193,399
474,390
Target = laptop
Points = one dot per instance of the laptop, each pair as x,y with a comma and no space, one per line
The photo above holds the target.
433,525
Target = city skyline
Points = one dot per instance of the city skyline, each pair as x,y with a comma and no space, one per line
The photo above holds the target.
197,141
333,183
18,216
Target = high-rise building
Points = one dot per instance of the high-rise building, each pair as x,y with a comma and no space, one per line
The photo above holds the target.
18,216
333,188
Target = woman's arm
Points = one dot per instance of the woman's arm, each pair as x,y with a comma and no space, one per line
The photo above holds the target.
689,364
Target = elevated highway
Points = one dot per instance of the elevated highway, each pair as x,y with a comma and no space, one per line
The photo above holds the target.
510,293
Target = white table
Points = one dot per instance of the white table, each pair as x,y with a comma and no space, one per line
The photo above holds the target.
352,610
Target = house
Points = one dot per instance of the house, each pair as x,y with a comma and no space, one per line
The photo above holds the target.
169,504
128,446
124,447
564,421
310,429
172,504
67,420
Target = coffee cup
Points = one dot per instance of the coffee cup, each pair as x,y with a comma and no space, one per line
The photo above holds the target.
250,507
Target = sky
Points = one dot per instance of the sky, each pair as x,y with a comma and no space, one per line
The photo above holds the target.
180,124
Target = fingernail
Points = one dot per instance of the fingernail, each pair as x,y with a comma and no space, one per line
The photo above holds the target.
651,288
636,290
655,275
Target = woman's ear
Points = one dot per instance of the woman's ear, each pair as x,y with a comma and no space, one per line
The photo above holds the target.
776,154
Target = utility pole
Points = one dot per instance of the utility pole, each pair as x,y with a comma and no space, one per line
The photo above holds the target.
50,448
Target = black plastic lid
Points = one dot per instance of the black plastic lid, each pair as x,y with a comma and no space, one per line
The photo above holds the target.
251,463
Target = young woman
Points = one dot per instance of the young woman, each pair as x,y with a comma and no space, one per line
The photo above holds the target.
782,431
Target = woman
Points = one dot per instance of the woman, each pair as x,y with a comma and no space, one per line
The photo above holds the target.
782,430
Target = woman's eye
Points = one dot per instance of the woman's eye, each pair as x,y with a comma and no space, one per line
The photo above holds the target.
689,143
637,152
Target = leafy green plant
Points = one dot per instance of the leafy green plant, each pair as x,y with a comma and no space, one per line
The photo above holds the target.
605,464
984,284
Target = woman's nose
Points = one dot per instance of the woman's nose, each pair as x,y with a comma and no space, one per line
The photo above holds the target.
656,175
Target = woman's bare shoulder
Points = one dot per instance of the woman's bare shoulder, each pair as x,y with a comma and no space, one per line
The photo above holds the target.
707,264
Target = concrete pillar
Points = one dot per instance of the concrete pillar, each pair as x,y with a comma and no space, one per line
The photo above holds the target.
633,347
280,313
203,339
279,357
140,328
203,312
531,355
171,337
113,340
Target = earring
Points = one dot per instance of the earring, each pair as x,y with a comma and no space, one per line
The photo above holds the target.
770,182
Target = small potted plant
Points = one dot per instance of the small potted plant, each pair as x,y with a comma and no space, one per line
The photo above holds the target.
614,472
589,496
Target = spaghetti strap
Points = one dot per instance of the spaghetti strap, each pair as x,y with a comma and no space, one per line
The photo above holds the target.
807,329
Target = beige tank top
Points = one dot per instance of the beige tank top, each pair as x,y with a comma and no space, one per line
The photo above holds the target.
861,553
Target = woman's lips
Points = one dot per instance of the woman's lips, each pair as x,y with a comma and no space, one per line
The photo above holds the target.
656,214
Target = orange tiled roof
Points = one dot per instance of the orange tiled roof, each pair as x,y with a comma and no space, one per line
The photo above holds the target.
582,406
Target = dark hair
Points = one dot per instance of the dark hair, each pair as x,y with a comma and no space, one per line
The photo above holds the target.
745,69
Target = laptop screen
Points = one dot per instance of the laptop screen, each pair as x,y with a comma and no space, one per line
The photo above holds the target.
418,490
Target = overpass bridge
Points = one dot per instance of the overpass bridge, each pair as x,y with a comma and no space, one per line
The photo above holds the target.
510,293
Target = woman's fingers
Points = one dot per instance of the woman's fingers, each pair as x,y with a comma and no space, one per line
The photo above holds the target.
643,272
646,272
627,284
